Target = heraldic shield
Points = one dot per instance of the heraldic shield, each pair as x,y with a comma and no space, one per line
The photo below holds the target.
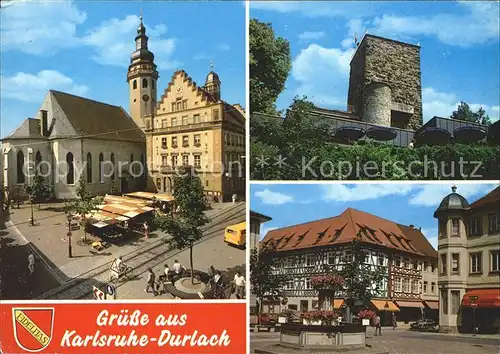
33,327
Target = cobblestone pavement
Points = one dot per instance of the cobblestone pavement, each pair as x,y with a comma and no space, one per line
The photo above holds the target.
398,342
16,282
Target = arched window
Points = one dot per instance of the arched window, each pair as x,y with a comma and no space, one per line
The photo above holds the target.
134,84
38,160
89,167
112,159
144,83
20,167
70,178
101,174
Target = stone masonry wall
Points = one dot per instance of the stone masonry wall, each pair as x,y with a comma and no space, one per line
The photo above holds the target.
394,63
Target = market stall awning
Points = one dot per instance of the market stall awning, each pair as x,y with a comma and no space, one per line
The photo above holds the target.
482,298
151,196
385,305
434,305
415,304
131,201
337,303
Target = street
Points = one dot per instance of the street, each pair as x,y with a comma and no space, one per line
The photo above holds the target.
401,341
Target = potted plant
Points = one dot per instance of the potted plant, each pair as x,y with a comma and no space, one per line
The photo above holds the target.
286,316
366,316
320,317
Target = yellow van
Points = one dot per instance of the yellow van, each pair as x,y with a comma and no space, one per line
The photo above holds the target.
236,234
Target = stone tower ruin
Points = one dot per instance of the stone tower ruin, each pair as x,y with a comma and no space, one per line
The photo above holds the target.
385,85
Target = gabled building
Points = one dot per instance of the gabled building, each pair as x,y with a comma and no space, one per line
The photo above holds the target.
190,125
305,249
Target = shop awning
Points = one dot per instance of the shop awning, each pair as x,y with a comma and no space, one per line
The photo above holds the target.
415,304
337,303
434,305
385,305
482,298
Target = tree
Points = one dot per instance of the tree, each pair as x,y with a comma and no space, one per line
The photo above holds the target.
361,281
465,113
481,117
185,226
262,280
36,192
84,205
270,63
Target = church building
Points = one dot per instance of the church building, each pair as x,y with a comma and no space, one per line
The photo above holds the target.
70,137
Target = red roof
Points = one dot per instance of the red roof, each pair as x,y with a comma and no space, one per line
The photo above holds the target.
492,198
343,229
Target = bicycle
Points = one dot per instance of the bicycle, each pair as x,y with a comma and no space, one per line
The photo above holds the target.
127,272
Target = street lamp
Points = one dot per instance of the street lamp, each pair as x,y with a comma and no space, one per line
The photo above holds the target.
70,253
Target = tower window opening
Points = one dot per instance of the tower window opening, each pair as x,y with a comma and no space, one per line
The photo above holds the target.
144,83
134,84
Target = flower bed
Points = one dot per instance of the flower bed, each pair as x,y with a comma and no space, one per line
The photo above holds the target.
327,282
366,314
321,317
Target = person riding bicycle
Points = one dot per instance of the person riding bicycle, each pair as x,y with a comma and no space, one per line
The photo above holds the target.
117,267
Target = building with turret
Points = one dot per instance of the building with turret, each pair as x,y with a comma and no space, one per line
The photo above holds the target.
469,262
189,125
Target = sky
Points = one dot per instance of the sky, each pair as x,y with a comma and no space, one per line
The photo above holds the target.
459,42
84,48
404,203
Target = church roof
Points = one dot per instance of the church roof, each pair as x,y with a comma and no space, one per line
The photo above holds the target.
98,120
344,228
29,129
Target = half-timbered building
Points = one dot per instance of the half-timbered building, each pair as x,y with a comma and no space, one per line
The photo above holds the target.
312,248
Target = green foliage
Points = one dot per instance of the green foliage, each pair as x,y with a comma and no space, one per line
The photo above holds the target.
371,161
184,228
37,190
270,63
464,113
85,204
361,282
262,281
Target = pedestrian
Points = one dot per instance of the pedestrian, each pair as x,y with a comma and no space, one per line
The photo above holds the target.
151,282
31,263
239,283
376,322
146,229
177,267
166,272
235,198
394,322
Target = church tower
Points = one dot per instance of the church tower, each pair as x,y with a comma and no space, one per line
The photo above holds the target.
142,77
212,83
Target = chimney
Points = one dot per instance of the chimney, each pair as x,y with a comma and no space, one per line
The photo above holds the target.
45,123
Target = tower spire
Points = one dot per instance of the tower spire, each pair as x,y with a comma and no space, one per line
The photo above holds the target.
212,65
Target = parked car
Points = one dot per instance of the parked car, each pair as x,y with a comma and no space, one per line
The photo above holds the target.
425,325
